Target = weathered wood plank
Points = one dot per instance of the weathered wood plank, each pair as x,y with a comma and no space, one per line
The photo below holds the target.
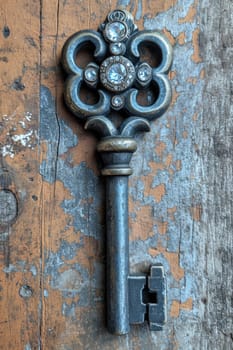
19,178
76,308
215,172
180,197
170,190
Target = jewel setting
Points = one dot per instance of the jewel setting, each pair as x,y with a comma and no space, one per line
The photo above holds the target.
144,73
117,73
116,31
117,102
117,48
91,74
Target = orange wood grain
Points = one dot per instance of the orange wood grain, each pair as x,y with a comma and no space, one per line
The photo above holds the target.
20,247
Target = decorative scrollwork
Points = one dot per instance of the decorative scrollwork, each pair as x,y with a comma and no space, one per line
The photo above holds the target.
117,74
116,77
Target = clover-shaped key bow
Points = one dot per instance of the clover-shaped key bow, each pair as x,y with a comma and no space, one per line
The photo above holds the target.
118,74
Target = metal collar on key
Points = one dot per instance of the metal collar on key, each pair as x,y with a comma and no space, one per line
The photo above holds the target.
118,74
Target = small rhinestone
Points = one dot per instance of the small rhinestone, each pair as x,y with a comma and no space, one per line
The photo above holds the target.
91,74
115,31
117,48
117,101
144,72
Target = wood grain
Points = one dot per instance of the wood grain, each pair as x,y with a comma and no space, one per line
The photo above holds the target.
20,240
52,254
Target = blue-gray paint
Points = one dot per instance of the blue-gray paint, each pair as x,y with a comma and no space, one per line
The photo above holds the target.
21,266
82,209
85,187
57,135
72,281
27,347
67,138
123,2
68,251
82,183
33,270
181,186
68,310
49,128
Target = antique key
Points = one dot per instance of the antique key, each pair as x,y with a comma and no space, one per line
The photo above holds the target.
118,74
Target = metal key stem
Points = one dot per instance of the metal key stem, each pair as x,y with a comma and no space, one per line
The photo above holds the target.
116,152
117,254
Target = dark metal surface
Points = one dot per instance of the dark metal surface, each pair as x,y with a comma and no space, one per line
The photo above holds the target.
118,74
117,254
156,308
134,73
147,298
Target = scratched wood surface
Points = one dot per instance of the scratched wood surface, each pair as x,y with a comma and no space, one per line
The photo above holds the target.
52,197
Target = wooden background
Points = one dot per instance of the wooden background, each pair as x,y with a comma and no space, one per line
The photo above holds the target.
52,251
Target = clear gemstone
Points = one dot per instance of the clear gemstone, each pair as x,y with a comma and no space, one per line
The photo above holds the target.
119,76
117,101
117,48
144,72
115,31
116,73
91,74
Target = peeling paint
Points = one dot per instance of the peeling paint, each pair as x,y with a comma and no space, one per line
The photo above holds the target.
19,136
72,281
196,47
8,150
177,228
196,212
83,185
33,270
139,7
176,307
27,347
20,266
172,258
190,15
24,139
162,187
164,160
68,310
